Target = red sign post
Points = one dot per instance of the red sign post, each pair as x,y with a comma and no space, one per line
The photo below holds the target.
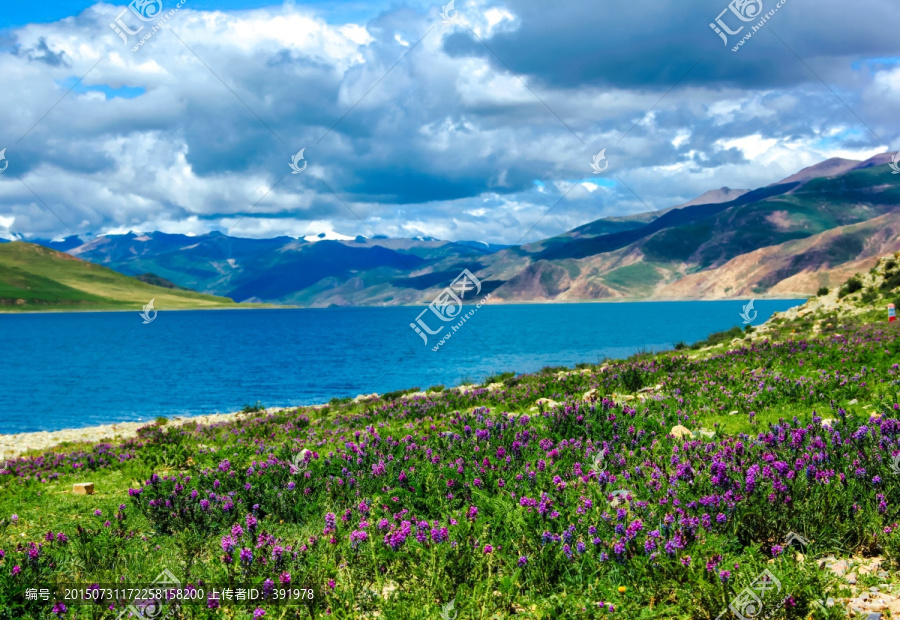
892,313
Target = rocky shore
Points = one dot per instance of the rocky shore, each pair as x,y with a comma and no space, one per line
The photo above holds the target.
14,445
20,443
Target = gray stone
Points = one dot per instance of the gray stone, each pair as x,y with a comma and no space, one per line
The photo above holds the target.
839,568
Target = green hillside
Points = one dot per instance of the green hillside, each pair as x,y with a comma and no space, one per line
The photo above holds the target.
33,277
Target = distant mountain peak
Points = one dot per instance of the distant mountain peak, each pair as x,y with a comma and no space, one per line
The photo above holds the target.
828,168
714,196
877,160
129,234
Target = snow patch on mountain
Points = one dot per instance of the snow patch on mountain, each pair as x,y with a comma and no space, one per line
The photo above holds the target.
329,235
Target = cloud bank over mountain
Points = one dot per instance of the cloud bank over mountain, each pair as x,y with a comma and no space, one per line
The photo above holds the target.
482,128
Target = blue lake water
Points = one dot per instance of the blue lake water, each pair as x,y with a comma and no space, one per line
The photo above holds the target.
69,370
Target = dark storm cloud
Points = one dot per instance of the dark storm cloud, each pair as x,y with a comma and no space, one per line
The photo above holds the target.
654,43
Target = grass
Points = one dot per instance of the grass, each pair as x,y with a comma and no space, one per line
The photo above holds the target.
639,277
33,277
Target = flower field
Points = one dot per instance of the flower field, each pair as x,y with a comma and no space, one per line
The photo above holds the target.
562,494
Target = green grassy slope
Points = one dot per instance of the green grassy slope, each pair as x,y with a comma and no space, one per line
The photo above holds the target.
33,277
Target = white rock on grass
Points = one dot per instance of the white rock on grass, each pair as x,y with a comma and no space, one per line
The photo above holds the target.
361,397
467,387
680,431
83,488
547,403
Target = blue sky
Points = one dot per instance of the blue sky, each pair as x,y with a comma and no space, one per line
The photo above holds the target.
482,126
22,13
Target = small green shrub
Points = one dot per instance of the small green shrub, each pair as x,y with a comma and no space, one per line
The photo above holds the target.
254,408
823,290
632,378
890,545
869,295
398,393
891,281
851,286
720,337
502,377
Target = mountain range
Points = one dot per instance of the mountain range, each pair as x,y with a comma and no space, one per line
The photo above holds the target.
812,229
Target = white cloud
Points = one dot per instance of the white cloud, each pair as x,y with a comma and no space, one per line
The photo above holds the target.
438,142
752,147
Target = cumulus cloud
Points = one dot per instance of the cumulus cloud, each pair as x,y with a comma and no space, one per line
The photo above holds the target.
469,130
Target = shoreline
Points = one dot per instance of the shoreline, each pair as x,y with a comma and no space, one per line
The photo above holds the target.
14,445
95,310
535,302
